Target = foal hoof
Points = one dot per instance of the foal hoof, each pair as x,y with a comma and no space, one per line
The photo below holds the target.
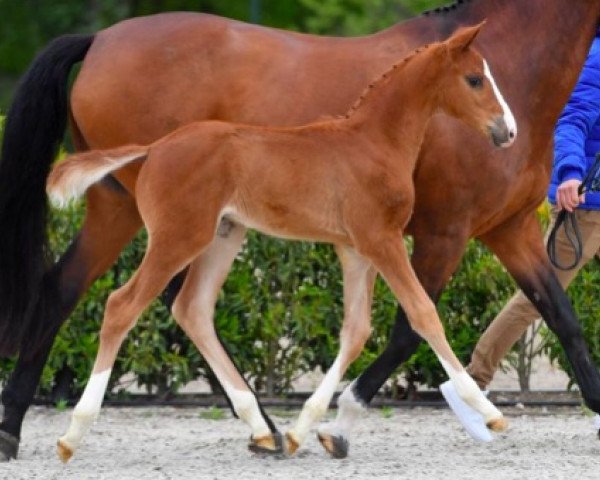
336,446
271,444
291,443
9,446
497,424
64,451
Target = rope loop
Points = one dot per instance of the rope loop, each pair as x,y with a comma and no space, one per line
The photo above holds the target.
568,221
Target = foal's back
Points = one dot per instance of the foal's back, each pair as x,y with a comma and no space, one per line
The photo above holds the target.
288,182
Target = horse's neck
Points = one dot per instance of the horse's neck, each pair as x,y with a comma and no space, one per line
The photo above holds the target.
397,107
542,60
536,48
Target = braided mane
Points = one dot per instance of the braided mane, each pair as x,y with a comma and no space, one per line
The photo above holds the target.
445,8
381,80
435,11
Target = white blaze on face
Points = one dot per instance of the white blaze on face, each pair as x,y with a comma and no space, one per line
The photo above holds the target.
509,118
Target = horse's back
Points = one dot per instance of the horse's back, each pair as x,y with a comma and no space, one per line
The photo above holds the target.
141,77
145,77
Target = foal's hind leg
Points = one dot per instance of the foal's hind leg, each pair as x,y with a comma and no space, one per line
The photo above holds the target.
359,278
194,308
391,259
123,307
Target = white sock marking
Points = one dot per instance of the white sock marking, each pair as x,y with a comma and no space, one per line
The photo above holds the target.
470,393
349,411
246,407
87,409
316,406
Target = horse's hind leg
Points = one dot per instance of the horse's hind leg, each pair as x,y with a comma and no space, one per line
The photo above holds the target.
359,279
93,251
161,262
194,308
391,259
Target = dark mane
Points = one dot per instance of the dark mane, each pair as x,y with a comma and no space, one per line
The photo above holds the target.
380,80
446,8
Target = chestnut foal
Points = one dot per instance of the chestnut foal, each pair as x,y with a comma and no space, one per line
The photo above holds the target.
346,181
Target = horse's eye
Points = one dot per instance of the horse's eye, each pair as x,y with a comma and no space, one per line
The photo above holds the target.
474,81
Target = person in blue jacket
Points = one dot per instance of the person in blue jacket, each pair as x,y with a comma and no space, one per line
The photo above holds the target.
576,142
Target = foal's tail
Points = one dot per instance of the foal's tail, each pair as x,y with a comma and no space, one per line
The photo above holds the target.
71,178
34,128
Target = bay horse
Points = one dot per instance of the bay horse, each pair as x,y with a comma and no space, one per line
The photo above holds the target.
347,181
207,67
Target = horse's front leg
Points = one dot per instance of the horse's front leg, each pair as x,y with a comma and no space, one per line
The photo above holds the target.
93,251
359,279
519,246
434,259
193,310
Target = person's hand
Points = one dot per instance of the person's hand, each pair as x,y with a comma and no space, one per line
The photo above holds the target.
567,196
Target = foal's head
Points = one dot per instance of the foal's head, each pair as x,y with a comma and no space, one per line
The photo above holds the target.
468,90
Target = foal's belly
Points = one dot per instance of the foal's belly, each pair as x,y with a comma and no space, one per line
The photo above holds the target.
290,225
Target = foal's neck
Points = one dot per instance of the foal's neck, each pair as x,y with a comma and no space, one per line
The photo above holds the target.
397,107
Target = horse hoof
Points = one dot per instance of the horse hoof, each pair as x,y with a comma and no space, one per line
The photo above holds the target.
497,424
336,446
64,451
291,443
271,444
9,446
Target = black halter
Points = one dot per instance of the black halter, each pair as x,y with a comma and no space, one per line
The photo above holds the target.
590,184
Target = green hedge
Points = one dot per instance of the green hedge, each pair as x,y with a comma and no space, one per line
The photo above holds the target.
279,314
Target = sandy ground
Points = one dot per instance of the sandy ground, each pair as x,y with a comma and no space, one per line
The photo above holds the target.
169,443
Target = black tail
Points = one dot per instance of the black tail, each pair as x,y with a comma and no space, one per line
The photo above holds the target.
34,129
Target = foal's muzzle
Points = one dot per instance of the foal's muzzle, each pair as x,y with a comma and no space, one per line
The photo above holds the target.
501,134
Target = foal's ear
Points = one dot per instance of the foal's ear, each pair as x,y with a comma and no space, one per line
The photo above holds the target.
463,38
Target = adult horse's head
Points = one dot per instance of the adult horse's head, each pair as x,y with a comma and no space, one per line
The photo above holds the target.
469,91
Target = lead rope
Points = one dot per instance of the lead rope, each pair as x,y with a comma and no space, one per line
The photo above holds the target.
589,184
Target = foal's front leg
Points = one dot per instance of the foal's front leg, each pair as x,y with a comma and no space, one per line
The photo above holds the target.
391,259
193,310
359,278
434,258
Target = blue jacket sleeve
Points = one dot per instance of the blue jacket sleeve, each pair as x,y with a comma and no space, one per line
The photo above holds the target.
577,119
